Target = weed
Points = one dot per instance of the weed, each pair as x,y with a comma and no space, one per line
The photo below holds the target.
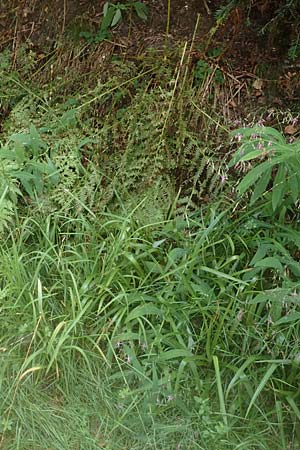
134,312
278,164
112,16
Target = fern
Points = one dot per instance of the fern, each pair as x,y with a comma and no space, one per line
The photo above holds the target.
138,141
6,212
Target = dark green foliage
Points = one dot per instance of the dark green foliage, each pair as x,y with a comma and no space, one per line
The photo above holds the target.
142,306
112,16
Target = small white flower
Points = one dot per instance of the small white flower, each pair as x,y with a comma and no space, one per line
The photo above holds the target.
223,178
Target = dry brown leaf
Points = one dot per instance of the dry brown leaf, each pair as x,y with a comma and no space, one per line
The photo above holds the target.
232,103
291,129
258,84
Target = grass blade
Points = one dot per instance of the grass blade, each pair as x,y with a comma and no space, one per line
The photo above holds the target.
261,386
220,390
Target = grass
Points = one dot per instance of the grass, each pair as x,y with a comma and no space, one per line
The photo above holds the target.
136,313
153,324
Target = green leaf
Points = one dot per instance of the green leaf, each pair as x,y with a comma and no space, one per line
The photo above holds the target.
276,310
105,8
294,407
86,141
272,295
260,253
153,266
279,187
294,267
266,133
294,187
292,317
26,181
261,386
157,244
117,17
101,36
141,10
253,176
52,171
20,154
240,374
251,155
175,354
5,153
269,263
21,138
261,186
86,35
68,119
221,274
107,17
143,310
220,389
175,255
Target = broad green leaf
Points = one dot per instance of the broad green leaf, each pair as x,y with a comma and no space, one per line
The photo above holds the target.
25,179
20,154
252,155
175,354
34,134
279,187
269,263
237,156
294,267
272,295
143,310
21,138
253,176
52,171
261,186
292,317
89,37
117,17
107,18
267,133
153,266
174,256
68,118
294,186
141,10
276,309
260,253
105,8
6,153
101,36
126,336
271,135
157,244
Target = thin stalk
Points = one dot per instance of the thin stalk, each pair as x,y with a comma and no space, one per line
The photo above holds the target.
167,28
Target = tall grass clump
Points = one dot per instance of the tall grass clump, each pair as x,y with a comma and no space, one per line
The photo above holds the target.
141,305
184,321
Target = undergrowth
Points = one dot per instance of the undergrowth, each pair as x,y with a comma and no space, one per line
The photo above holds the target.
143,303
